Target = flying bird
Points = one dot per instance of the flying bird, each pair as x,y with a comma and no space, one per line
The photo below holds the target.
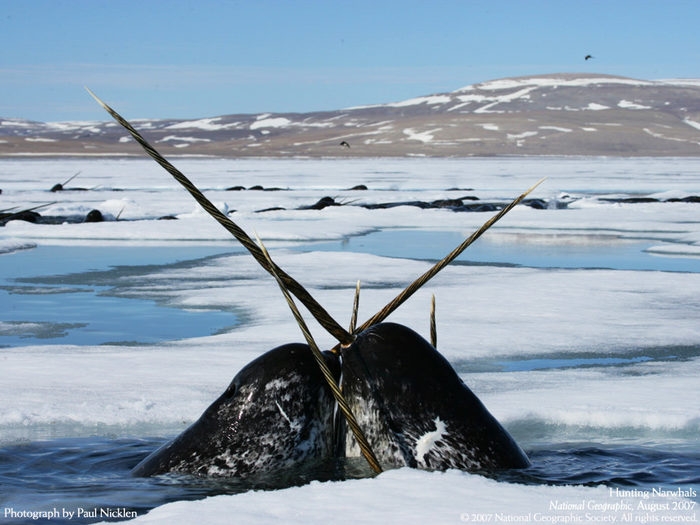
344,144
588,56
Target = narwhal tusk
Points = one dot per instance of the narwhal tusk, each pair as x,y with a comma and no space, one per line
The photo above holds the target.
355,307
321,315
9,216
433,326
415,285
327,374
70,179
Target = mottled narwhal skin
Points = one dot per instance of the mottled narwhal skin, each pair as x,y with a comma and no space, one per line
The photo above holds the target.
277,413
415,410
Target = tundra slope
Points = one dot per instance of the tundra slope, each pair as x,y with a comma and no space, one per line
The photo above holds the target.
556,114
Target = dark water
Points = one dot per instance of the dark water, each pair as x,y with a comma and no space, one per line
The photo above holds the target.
94,473
89,473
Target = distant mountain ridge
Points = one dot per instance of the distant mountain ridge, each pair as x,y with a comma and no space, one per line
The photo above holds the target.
556,114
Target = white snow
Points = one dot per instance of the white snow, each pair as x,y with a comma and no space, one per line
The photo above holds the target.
207,124
308,123
169,138
523,93
496,85
692,123
143,124
556,128
690,82
521,90
658,135
17,123
627,104
12,245
414,497
282,122
430,100
484,313
421,136
474,97
86,126
523,135
277,122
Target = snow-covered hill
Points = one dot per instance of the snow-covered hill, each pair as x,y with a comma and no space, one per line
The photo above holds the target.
558,114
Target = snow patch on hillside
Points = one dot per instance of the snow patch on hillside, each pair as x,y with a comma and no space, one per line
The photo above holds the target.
206,124
512,83
277,122
626,104
692,123
422,136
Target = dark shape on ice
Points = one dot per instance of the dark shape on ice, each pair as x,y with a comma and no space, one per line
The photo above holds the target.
322,203
24,215
538,204
690,198
94,216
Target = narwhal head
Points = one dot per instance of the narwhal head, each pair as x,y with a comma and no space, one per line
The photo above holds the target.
276,414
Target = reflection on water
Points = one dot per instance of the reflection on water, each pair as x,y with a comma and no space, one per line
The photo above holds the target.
99,319
537,251
45,299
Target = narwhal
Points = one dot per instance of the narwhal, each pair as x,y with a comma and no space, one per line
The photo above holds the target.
383,392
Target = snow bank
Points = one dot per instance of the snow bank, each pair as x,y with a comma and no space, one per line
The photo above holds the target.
410,496
12,245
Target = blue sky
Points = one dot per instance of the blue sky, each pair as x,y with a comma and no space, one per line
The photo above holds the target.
188,59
